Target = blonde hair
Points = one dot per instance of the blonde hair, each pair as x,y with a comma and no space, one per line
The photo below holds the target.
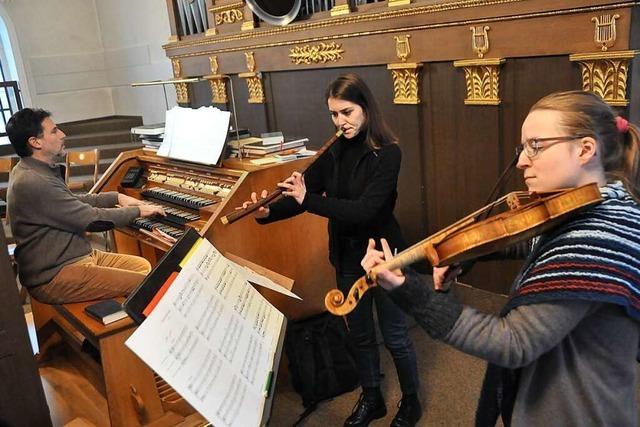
584,113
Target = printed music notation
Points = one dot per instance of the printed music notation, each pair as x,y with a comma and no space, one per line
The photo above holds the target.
213,338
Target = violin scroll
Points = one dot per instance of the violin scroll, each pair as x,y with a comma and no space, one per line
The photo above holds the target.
336,303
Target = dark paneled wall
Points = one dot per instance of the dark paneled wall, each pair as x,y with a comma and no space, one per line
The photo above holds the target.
452,153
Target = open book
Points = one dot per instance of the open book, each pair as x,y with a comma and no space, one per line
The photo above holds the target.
211,335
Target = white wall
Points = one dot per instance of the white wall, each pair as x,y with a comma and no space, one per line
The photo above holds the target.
133,33
80,56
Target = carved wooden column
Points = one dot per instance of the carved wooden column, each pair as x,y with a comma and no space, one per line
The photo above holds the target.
482,75
254,81
406,75
605,73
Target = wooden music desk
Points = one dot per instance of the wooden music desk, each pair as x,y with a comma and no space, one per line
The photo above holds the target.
130,386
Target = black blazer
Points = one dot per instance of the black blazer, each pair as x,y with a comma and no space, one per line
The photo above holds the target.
366,212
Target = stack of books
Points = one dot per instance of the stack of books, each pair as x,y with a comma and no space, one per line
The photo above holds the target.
151,136
256,148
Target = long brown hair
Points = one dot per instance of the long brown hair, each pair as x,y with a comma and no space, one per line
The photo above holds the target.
584,113
350,87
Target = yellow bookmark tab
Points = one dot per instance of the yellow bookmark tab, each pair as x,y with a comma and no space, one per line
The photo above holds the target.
190,253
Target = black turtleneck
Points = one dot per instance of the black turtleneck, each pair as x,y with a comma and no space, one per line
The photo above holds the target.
349,153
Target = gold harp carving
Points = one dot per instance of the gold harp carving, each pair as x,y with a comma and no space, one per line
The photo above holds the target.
480,40
182,90
482,77
324,52
217,82
604,34
251,61
254,81
406,77
605,74
403,48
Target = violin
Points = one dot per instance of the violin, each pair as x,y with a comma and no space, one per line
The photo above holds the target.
241,213
527,214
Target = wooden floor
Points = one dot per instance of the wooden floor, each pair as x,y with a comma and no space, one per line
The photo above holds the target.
450,385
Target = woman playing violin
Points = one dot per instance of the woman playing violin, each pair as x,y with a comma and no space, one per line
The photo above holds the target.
563,350
354,186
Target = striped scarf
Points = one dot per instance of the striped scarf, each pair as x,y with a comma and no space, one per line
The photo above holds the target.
594,257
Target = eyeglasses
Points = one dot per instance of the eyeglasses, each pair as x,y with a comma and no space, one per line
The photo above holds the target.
533,146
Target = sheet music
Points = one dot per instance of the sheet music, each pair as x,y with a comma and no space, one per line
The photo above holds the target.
195,135
213,337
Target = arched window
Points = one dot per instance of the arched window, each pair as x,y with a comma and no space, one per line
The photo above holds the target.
10,99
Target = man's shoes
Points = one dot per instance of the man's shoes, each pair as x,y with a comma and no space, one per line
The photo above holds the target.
365,411
409,412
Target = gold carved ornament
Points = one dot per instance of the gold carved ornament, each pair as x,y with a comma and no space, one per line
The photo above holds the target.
605,73
254,81
182,90
229,17
604,35
321,53
482,76
480,39
228,13
217,83
405,75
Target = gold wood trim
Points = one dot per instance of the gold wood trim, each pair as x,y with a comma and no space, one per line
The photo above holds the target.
342,9
378,32
211,32
406,77
247,25
224,7
324,52
619,54
173,39
395,13
393,3
482,77
605,74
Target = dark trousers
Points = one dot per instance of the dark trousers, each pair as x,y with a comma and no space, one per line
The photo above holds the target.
393,325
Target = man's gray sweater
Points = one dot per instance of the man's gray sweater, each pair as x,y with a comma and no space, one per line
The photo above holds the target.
49,222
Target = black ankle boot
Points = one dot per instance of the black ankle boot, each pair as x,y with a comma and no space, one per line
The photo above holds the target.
409,412
368,408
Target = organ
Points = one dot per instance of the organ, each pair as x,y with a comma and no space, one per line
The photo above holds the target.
197,196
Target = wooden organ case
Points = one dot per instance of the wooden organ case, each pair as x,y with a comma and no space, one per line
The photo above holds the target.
197,196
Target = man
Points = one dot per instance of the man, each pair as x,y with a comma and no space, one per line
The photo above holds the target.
55,260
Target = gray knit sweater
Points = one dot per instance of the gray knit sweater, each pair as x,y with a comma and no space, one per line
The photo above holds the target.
577,358
49,222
